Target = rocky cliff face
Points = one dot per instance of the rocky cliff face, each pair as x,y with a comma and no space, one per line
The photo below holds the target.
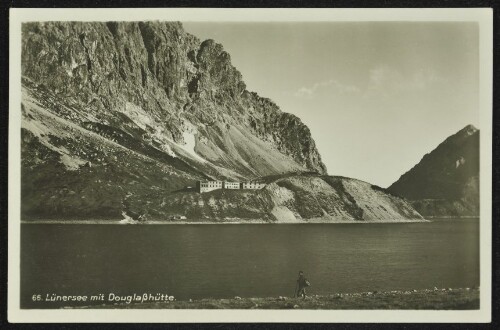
160,85
446,181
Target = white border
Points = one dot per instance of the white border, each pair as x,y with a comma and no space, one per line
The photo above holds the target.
484,16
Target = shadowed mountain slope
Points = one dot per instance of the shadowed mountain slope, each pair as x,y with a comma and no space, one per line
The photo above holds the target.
446,181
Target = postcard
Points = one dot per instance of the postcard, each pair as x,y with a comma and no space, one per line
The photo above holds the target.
250,165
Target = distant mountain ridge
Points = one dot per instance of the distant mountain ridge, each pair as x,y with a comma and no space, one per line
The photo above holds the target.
446,181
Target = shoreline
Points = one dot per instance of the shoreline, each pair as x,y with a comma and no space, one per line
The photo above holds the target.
430,299
242,222
452,217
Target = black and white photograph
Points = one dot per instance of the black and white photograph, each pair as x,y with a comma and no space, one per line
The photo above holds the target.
264,164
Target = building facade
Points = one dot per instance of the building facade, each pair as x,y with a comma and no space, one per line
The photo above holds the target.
231,185
206,186
252,185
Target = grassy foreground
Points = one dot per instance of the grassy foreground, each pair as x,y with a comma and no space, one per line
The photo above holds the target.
416,299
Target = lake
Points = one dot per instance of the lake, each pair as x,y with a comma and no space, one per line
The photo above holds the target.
258,260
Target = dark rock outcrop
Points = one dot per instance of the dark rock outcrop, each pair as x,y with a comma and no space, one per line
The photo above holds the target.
446,181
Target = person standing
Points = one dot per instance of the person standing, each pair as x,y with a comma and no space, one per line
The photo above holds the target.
302,284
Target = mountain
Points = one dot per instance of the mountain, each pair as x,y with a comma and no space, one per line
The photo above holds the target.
446,181
124,117
153,81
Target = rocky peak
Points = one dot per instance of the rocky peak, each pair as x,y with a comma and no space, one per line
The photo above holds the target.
445,173
468,130
215,65
167,90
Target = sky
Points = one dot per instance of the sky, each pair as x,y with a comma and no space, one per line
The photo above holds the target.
377,96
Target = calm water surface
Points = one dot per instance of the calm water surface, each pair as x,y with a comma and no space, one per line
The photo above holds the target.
199,261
